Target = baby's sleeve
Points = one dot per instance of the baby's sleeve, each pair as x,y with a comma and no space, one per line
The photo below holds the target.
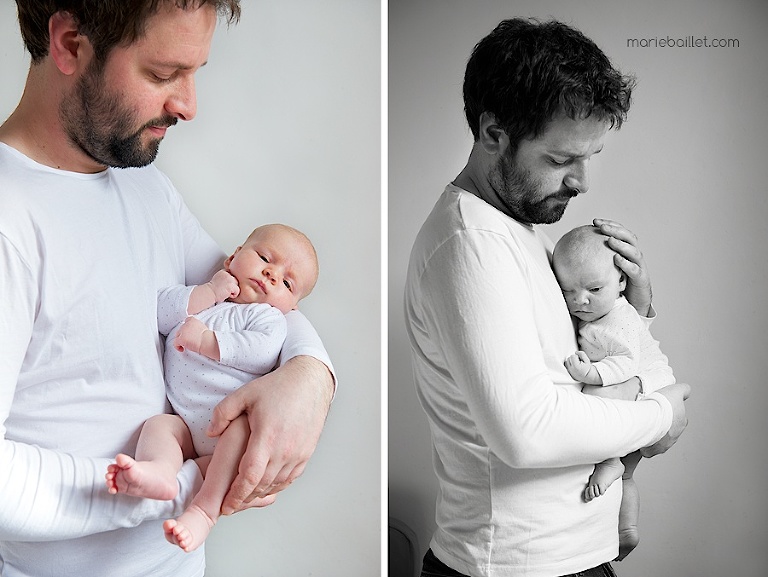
172,303
614,350
256,348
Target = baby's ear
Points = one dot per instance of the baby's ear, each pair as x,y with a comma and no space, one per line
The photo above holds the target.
622,282
229,259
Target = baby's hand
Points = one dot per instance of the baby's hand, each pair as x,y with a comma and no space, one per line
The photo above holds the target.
224,286
578,365
190,335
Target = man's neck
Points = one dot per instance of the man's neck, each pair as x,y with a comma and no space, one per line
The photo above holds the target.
474,179
35,130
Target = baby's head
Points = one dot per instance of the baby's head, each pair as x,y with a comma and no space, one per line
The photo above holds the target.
276,265
584,267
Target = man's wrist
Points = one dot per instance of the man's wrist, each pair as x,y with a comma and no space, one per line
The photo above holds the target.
641,392
667,414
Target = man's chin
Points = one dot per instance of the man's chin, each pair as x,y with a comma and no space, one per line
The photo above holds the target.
136,158
552,214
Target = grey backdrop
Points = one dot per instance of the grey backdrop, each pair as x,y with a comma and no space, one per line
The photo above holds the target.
687,174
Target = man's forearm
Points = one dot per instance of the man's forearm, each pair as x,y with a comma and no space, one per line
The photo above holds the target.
48,495
315,371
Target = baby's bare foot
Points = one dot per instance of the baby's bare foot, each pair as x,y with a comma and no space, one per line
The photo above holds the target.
190,530
604,475
141,479
628,540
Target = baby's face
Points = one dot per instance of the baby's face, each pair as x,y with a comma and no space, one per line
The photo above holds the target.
273,267
590,289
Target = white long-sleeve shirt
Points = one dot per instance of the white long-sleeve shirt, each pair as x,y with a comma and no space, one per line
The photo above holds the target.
514,439
82,257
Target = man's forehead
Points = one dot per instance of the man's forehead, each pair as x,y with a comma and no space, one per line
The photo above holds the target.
176,33
573,137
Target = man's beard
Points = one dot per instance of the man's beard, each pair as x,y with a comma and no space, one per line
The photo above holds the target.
98,123
521,194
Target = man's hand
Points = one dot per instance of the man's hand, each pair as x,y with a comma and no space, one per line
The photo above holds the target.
676,394
630,260
286,411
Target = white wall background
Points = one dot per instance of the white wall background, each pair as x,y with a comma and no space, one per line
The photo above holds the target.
288,130
687,173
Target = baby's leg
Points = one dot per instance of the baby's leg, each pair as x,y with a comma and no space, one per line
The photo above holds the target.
602,477
191,529
629,513
163,445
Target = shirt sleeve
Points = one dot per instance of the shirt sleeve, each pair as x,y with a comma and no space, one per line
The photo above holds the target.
47,494
302,340
480,310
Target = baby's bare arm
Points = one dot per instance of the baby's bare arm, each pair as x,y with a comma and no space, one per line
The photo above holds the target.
626,391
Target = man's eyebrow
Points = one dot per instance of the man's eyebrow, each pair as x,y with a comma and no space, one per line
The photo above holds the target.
570,154
176,65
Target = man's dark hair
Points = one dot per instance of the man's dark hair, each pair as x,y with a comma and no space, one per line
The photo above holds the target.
106,23
526,72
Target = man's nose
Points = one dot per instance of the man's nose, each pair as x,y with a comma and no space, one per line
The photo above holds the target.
183,102
578,177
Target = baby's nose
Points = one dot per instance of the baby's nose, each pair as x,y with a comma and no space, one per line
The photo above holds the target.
271,275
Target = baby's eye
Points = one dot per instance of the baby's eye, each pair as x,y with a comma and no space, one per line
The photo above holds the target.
287,285
263,258
596,289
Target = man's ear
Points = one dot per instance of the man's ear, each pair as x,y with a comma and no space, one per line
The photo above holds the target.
622,281
492,136
65,42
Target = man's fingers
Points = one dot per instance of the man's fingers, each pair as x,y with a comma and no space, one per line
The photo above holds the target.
262,501
287,475
631,268
282,481
255,477
243,487
231,407
627,250
614,229
600,222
